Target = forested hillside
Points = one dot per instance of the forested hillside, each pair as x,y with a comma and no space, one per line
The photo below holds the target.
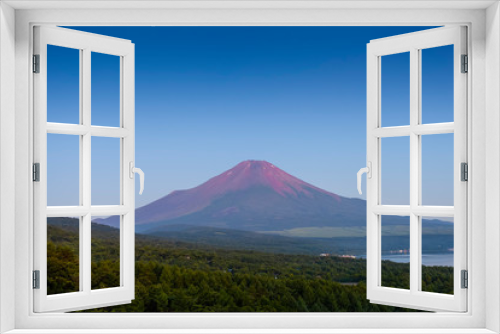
184,277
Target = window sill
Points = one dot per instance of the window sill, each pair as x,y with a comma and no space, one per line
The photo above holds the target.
251,331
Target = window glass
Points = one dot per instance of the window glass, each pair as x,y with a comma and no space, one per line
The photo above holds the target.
63,264
395,167
63,85
437,84
105,90
437,255
395,250
105,253
63,170
437,168
395,94
106,169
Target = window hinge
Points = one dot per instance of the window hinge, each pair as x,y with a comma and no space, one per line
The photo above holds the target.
465,64
464,171
36,172
36,63
36,279
465,279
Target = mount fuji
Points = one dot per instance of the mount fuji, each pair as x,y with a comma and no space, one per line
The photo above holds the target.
257,196
252,196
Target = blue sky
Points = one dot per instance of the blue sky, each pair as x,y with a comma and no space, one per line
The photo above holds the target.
208,98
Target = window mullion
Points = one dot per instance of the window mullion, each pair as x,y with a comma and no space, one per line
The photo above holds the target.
419,166
376,260
85,167
414,169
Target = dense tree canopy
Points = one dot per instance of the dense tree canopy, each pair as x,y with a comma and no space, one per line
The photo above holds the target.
181,277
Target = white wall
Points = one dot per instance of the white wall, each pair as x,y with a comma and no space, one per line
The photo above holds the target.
492,164
482,181
7,160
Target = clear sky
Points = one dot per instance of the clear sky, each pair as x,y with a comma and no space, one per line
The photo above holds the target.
208,98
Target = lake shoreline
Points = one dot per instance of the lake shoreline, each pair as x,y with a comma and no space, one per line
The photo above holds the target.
431,260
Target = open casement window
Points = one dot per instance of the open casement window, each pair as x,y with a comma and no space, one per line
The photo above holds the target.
414,123
71,147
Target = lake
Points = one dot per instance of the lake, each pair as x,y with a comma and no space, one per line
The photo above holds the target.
439,259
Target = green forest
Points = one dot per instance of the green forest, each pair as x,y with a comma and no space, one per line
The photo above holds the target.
185,277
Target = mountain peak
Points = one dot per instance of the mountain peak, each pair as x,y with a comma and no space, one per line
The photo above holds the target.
260,163
251,168
253,173
253,164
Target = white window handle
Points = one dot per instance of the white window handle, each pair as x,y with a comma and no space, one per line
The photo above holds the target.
139,171
368,171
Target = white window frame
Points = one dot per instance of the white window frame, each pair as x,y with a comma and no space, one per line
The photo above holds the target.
482,19
86,44
414,43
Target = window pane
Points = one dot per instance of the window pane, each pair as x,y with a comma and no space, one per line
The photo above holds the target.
437,84
437,255
63,251
105,90
106,171
395,252
63,85
105,254
437,169
395,94
395,168
63,170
